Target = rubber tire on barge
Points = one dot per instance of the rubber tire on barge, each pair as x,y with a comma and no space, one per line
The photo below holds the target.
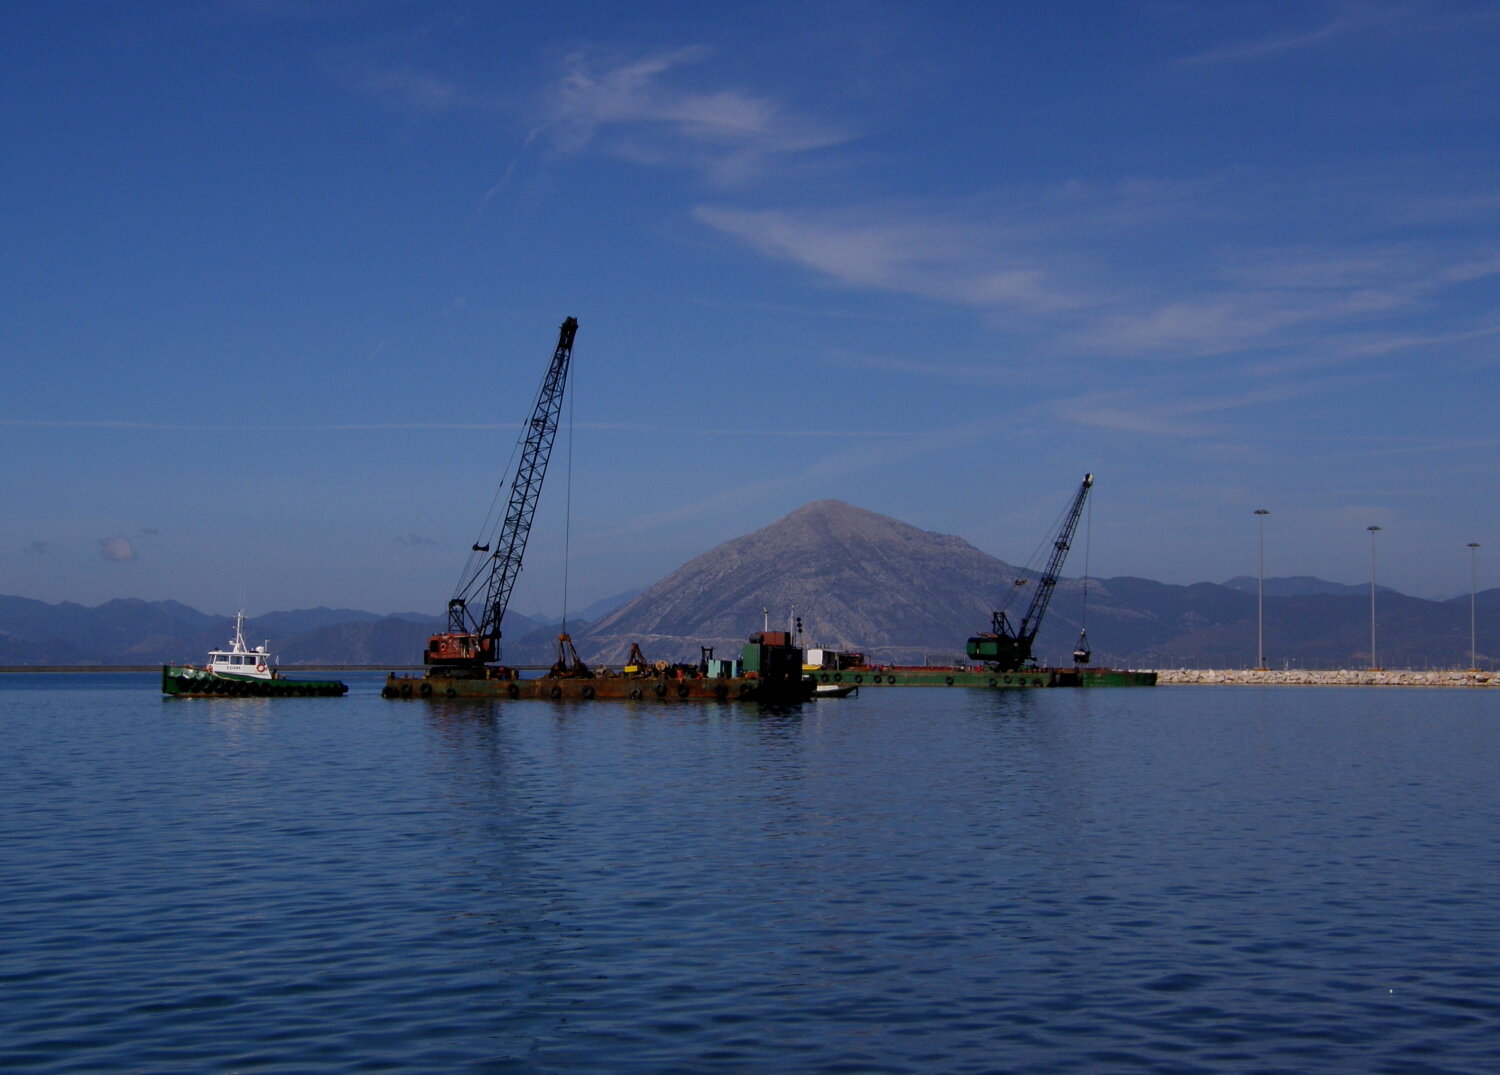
604,688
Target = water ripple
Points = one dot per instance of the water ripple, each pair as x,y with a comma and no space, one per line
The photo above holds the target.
909,881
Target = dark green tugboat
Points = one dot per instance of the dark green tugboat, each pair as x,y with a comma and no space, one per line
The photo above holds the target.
242,672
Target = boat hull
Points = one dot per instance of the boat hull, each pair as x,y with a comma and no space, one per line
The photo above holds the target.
619,687
836,690
968,676
185,681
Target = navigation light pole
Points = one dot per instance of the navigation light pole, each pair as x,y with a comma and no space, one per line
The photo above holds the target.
1374,664
1260,596
1473,578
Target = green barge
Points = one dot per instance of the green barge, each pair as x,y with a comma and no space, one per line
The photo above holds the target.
1002,656
920,675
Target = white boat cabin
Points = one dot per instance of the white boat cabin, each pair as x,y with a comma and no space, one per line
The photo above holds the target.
240,660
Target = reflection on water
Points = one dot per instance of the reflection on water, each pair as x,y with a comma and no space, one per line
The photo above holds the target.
907,880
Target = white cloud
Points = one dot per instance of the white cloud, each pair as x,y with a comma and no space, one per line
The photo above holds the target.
1136,273
117,549
953,261
411,90
631,110
1153,410
1163,327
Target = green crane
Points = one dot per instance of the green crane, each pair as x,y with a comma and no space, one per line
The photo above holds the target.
1007,648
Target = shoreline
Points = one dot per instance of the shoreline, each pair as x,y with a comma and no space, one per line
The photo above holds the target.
1165,677
1317,677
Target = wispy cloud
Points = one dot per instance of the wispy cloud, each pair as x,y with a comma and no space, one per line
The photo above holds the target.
1368,345
676,430
1284,298
443,427
1205,326
1160,413
633,109
951,260
381,69
647,108
185,427
1343,21
37,548
1128,273
411,90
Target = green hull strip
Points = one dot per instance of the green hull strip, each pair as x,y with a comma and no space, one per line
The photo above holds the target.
967,677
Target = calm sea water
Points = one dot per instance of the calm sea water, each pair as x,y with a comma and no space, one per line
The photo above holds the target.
1177,880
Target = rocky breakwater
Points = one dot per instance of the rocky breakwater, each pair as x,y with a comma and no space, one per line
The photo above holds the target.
1344,677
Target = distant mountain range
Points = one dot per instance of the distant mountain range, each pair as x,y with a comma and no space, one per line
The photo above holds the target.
856,580
1300,586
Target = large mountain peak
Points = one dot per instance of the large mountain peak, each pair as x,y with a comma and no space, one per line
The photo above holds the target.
826,527
855,578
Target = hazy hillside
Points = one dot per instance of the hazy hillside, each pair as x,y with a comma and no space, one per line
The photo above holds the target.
857,580
1298,586
128,631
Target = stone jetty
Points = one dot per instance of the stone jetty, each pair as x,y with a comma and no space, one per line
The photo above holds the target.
1337,677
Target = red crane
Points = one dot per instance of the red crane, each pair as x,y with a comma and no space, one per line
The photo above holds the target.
472,639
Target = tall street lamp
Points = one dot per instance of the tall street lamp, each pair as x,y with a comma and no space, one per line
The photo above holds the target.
1260,595
1373,663
1473,577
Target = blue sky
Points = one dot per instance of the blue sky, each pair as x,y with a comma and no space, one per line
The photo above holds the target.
281,280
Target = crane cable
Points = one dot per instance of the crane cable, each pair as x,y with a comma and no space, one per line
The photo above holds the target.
1036,563
1088,544
568,503
474,563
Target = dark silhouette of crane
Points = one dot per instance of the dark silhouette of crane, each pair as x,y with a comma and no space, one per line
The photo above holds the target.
472,639
1007,648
